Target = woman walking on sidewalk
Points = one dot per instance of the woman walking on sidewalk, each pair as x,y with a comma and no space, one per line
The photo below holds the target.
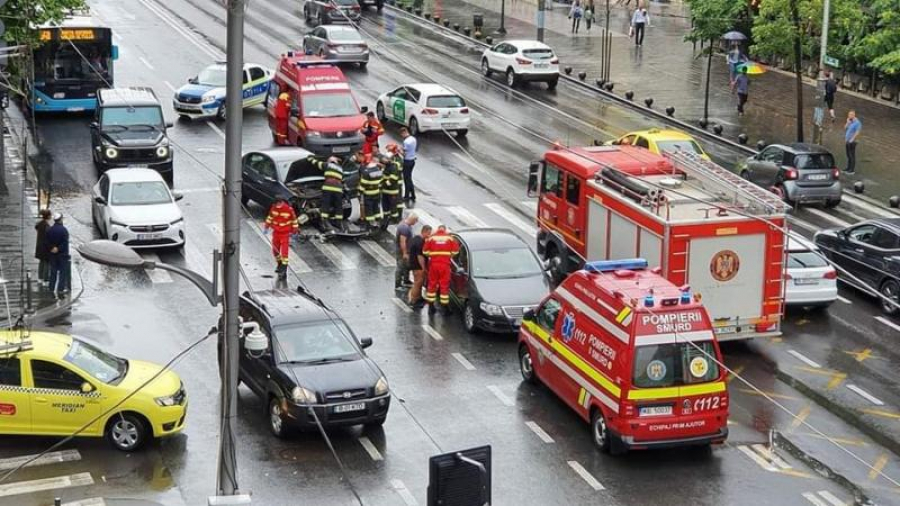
639,20
589,14
575,14
41,248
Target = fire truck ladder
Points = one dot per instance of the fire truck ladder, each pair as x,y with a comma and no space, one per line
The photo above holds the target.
731,187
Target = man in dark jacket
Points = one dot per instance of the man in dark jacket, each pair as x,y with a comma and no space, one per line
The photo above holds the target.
41,250
58,243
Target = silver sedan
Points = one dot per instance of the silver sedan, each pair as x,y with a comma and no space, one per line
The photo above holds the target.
337,43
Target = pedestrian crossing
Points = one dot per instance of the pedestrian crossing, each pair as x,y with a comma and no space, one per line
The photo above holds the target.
14,489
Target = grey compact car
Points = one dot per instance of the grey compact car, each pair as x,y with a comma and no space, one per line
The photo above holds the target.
800,173
337,43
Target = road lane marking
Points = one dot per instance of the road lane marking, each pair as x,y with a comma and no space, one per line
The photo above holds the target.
868,207
836,381
426,218
831,498
585,475
801,416
31,486
879,412
803,358
378,253
466,217
205,189
169,85
827,217
803,224
539,432
431,331
370,448
866,395
845,300
843,441
402,305
215,129
756,458
809,496
464,361
157,276
860,356
734,373
48,458
500,395
404,493
91,501
770,456
146,63
852,215
531,205
334,255
768,394
510,217
294,261
216,54
889,323
878,466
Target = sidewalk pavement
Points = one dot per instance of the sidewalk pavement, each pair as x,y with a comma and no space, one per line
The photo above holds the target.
668,70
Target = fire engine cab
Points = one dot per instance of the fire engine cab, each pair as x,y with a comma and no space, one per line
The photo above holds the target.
321,113
700,223
632,354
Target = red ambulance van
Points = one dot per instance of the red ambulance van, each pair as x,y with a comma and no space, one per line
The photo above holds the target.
631,353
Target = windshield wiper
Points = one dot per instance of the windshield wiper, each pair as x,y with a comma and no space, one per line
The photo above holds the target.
317,361
144,126
107,128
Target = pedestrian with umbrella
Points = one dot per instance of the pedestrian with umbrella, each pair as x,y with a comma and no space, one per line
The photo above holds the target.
735,57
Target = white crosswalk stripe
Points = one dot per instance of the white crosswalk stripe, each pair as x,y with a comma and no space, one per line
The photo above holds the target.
508,215
332,253
378,253
466,217
157,276
426,218
763,463
531,205
56,482
91,501
48,458
828,217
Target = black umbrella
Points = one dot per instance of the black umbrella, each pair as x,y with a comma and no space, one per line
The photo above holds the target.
734,36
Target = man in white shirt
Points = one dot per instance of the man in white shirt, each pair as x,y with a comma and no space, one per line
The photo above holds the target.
410,147
639,20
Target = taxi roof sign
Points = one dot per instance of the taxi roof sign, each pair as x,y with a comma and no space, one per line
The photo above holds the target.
628,264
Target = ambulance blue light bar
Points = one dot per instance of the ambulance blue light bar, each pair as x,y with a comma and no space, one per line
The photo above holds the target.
629,264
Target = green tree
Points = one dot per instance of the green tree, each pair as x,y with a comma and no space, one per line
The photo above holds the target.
881,47
22,17
710,20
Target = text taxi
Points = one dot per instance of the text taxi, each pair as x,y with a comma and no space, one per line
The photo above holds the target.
56,385
633,354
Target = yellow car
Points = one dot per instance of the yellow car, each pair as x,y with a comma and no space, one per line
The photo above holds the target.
55,385
659,141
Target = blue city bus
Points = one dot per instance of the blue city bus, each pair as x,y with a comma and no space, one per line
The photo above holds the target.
74,59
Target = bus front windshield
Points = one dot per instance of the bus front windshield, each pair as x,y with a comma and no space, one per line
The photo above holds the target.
61,61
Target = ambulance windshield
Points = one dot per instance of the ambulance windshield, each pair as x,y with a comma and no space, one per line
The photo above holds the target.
329,105
666,365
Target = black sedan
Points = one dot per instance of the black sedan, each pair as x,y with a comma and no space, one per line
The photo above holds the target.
867,253
314,369
496,279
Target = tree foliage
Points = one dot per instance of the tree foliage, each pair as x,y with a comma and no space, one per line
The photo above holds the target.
881,47
22,17
712,18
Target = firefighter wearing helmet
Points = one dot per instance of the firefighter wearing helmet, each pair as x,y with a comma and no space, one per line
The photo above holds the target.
391,205
371,130
282,221
439,249
370,179
282,111
332,208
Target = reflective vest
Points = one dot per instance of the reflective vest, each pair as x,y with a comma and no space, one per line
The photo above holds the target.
390,185
282,218
440,248
370,181
334,175
372,130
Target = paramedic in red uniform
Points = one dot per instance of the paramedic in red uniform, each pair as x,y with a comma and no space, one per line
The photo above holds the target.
371,130
439,249
283,222
282,108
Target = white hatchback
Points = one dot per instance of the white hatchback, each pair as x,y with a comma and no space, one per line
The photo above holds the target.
521,61
810,279
134,207
425,107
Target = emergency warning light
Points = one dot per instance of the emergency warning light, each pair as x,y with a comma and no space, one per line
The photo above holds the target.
628,264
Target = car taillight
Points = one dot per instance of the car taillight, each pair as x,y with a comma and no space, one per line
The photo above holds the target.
790,173
464,110
788,276
430,112
836,173
832,274
766,327
523,61
554,61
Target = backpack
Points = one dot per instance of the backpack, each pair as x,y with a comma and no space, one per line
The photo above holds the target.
578,12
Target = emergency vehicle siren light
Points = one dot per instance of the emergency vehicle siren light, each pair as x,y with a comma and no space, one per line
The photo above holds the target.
686,296
628,264
648,300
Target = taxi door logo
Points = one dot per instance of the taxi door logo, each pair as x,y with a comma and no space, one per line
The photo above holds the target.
399,110
568,327
7,409
724,265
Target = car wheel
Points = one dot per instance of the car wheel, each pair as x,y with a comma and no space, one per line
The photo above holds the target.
222,113
511,80
414,126
462,133
485,68
470,321
379,111
890,296
551,85
831,204
599,431
276,418
745,174
526,365
126,432
184,117
556,268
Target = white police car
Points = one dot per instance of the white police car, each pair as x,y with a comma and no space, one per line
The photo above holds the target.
204,95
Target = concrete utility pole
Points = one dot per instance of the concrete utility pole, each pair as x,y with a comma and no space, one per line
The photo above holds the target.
541,6
226,479
819,113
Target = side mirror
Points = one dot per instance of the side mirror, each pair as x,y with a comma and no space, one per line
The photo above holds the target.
365,342
100,200
534,175
192,80
528,316
86,388
169,124
177,196
94,125
364,109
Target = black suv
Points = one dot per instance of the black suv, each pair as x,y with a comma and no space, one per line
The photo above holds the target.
314,364
129,130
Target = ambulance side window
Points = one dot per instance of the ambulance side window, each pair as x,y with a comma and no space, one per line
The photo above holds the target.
548,313
10,372
573,190
551,181
50,375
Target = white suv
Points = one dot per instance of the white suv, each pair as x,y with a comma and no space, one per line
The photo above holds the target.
522,60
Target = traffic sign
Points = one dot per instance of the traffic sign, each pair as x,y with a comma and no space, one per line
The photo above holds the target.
832,62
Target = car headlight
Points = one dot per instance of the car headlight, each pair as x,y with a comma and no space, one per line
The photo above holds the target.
491,309
313,133
166,401
162,151
381,387
207,99
117,223
111,152
301,395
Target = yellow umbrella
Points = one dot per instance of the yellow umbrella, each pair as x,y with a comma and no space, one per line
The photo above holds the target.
751,68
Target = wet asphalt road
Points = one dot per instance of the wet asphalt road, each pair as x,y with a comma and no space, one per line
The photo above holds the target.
441,404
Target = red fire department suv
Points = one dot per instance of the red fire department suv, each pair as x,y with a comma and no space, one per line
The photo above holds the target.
631,353
322,114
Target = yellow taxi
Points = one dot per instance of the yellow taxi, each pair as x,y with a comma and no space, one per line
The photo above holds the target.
56,385
659,141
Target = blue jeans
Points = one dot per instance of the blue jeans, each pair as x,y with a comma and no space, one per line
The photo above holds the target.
60,266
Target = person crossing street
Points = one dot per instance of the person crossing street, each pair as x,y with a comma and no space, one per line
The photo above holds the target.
332,208
370,180
440,249
282,221
391,205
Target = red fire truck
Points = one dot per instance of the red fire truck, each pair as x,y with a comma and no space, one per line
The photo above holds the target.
701,224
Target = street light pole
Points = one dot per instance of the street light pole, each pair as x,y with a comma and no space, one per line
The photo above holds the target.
819,113
226,479
540,20
823,51
502,29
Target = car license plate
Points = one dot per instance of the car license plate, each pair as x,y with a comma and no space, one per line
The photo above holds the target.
806,282
656,410
148,237
342,149
725,330
817,177
542,65
346,408
449,125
